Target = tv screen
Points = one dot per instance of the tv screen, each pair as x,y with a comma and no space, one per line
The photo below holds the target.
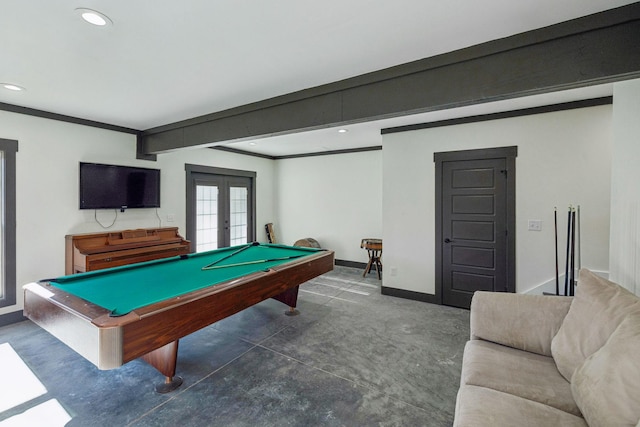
118,187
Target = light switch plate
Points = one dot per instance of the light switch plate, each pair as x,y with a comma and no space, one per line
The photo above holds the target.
535,225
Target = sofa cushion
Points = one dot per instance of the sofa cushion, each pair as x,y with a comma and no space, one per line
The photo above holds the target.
521,373
506,319
479,406
607,386
596,311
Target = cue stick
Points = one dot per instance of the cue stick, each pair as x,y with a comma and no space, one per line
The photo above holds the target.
566,264
579,241
573,252
247,246
555,223
250,262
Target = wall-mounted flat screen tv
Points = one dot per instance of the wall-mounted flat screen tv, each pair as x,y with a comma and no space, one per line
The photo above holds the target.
118,187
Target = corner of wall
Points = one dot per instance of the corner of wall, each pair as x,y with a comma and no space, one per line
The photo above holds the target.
624,255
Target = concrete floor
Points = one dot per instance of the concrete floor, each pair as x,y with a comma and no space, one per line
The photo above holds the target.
353,357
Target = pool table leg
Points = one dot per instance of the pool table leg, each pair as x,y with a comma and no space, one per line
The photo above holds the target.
289,297
292,312
164,359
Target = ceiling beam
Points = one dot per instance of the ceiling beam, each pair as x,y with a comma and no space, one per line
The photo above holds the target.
595,49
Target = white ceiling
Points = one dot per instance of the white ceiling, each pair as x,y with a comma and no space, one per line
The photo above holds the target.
166,61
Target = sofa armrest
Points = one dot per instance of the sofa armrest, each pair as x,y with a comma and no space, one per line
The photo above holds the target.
525,322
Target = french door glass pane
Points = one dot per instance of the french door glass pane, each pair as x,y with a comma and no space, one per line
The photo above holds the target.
238,215
206,217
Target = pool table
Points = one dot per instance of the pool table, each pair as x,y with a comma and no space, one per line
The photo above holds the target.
116,315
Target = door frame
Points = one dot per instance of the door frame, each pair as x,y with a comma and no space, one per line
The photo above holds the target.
507,153
192,171
8,149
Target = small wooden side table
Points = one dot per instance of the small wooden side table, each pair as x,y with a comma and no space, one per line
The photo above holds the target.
374,248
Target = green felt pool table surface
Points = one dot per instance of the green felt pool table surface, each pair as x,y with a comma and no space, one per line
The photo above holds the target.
116,315
123,289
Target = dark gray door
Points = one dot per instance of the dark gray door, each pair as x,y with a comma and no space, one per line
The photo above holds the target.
222,211
475,249
220,207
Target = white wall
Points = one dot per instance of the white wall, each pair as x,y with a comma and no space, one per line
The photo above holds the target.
47,188
625,195
563,158
335,199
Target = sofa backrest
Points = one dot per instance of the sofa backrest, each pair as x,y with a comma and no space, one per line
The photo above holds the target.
606,387
596,311
526,322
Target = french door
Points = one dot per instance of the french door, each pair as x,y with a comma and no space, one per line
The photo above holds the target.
220,208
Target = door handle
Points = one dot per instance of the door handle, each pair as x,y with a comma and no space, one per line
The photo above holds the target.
448,240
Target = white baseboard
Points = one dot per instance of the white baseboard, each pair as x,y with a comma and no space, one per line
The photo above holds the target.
550,285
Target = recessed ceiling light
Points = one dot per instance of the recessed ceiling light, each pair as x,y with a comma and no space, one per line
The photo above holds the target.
94,17
343,130
13,87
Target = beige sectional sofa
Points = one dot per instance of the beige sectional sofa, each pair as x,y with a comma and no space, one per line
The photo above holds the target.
536,360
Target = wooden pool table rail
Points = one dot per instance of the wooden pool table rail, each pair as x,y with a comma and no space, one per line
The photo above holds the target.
108,342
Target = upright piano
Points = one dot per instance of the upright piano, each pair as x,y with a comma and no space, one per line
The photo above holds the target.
95,251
